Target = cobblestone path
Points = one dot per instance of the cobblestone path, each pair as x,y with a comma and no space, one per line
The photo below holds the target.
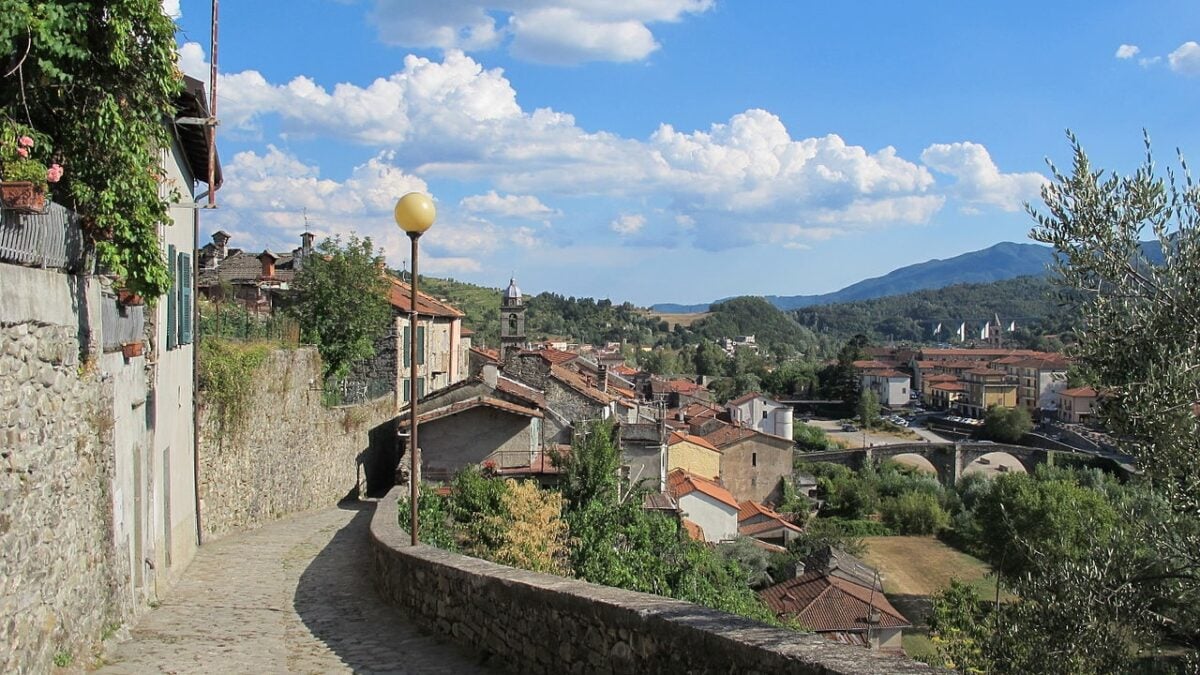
291,597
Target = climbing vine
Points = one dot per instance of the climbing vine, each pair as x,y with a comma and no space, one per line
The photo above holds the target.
98,79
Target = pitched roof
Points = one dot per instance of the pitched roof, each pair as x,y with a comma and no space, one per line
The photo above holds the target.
693,530
940,377
887,373
726,435
681,482
678,437
750,508
1079,392
520,390
400,295
873,364
243,266
542,464
744,398
1042,363
488,354
824,602
986,372
576,382
949,386
754,529
551,355
467,404
659,501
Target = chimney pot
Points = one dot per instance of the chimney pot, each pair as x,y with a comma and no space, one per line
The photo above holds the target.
602,376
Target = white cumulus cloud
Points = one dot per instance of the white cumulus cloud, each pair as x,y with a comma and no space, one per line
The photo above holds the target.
1186,59
1127,51
628,224
979,180
515,206
547,31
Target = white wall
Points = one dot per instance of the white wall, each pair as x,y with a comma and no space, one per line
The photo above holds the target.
718,519
777,421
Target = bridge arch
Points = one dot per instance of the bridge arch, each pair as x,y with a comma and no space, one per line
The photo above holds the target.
917,461
993,463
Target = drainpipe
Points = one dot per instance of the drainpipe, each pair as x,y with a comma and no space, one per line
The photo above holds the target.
196,372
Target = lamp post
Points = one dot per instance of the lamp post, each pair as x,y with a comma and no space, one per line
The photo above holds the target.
414,214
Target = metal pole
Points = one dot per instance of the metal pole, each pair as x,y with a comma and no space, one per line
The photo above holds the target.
210,129
413,451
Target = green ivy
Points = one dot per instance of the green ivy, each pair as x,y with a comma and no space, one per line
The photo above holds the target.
227,375
98,80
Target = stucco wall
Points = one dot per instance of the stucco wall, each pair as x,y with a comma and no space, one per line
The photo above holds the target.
472,437
540,623
717,519
751,469
291,453
693,459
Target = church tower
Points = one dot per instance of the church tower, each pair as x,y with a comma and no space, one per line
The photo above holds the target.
512,321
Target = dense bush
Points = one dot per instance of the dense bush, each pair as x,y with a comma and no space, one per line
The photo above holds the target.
914,513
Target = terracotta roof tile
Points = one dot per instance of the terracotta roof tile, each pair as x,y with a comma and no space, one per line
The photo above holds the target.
1079,392
679,437
551,355
521,391
489,354
728,434
400,295
823,602
680,483
693,530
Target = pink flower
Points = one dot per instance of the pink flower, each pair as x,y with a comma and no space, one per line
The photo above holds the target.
54,173
25,142
23,152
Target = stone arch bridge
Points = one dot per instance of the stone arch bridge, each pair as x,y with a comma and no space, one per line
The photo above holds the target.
951,461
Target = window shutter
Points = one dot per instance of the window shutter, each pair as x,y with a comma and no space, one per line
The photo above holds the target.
404,347
420,387
404,390
172,300
420,345
185,295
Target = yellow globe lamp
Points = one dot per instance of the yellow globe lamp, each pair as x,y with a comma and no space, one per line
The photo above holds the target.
415,213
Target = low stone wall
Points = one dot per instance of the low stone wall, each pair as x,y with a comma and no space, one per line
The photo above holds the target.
290,453
540,623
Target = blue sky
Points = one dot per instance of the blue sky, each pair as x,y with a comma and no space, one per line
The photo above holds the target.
679,150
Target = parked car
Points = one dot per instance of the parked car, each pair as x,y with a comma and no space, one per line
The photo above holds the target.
849,427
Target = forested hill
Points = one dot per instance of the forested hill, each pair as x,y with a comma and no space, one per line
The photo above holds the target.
774,330
1033,302
1005,260
548,315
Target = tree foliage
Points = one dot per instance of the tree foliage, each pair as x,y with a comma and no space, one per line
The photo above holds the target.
341,302
1007,425
1130,246
97,79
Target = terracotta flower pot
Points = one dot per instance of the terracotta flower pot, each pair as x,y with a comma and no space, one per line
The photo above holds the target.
131,349
129,298
22,196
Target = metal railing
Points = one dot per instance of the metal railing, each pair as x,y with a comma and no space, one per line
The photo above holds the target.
52,239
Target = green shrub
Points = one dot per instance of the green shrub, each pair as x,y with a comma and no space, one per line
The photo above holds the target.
914,513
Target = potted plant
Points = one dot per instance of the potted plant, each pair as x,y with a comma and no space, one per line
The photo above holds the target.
129,298
131,349
24,178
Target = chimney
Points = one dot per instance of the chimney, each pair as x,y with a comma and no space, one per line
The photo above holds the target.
268,263
220,240
602,377
489,374
306,242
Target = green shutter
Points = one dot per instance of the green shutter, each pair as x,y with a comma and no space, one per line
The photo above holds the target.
185,299
420,345
420,387
172,300
404,390
405,348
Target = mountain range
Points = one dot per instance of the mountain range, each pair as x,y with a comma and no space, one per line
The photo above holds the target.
1005,260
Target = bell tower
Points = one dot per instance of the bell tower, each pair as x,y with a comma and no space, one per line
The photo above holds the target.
512,321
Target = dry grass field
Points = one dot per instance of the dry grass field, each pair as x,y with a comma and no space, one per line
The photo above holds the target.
684,320
924,565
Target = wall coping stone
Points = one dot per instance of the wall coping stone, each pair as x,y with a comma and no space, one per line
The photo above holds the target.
693,637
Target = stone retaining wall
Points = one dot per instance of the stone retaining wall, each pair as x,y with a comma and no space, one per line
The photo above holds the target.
290,453
540,623
61,582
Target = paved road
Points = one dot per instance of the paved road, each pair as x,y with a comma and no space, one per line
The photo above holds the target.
291,597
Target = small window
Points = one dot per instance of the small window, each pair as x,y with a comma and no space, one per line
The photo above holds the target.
754,459
764,414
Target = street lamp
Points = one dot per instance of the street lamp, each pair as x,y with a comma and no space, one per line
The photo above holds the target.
414,214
